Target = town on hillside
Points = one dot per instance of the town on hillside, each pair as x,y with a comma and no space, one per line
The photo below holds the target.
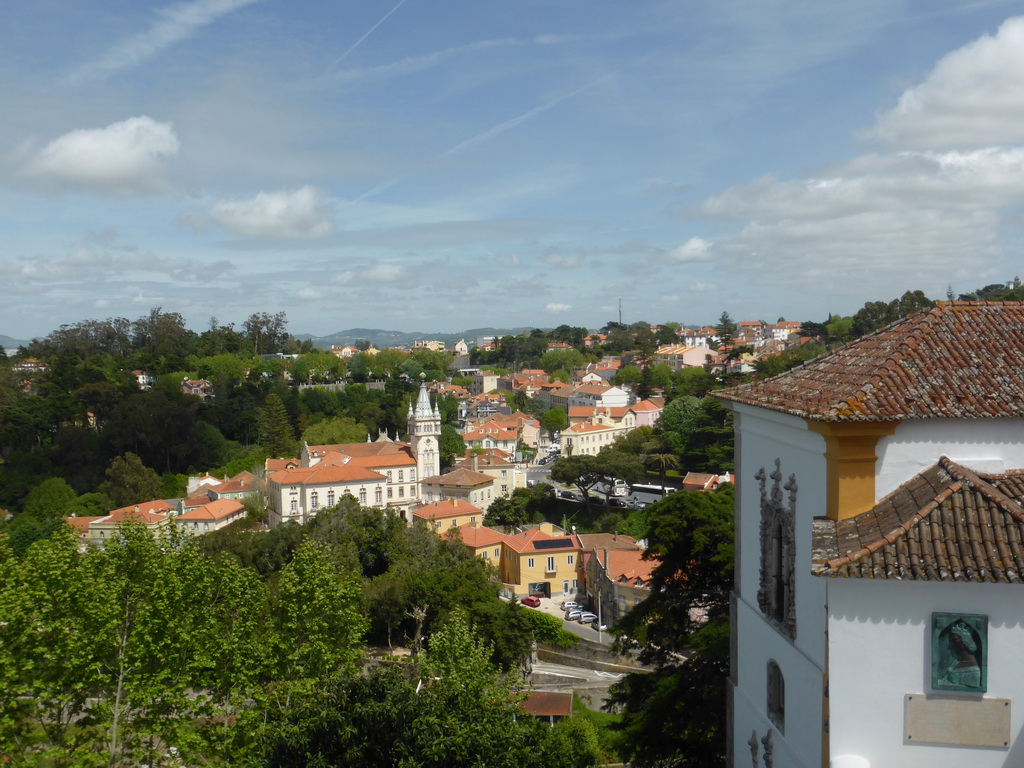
552,516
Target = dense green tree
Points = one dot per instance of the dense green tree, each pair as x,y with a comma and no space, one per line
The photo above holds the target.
335,431
266,332
675,716
276,436
585,472
450,445
725,329
129,481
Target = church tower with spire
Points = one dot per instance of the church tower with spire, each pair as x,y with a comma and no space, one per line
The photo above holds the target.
425,434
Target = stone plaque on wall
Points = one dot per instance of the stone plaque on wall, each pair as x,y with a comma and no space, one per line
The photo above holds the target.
957,721
959,652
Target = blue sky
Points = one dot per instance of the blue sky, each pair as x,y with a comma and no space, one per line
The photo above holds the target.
443,165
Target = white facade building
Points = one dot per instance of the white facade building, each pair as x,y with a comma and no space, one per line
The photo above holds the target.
880,546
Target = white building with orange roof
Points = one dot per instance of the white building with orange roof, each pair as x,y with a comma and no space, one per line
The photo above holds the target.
449,513
211,516
154,515
597,431
296,495
491,435
475,488
598,394
497,464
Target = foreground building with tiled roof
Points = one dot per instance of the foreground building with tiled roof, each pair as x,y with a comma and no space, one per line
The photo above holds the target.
880,541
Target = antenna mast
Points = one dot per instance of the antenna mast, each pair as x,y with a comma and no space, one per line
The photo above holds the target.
620,310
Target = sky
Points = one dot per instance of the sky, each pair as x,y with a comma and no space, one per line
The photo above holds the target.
438,166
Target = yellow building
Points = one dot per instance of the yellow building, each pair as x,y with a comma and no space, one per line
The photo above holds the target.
542,561
449,513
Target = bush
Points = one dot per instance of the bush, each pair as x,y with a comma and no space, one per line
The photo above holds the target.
548,629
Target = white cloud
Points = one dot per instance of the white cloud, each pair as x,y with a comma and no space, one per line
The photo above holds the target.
558,307
694,249
704,287
878,220
123,159
308,294
173,24
507,260
375,273
301,213
972,98
559,259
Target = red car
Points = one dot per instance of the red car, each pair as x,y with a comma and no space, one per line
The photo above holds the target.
531,600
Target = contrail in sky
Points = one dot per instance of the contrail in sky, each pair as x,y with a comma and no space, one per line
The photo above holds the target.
502,127
358,42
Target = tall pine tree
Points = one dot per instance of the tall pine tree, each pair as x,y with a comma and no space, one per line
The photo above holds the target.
276,435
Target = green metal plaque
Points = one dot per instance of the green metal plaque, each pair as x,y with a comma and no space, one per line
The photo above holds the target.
959,652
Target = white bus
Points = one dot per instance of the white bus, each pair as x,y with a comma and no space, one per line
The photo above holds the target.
657,490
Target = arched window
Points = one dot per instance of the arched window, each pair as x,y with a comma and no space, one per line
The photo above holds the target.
330,498
314,500
377,495
362,497
776,697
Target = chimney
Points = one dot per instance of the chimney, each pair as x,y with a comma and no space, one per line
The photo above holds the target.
476,462
606,561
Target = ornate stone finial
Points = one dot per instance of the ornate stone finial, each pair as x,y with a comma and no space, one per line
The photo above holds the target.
754,747
423,376
769,759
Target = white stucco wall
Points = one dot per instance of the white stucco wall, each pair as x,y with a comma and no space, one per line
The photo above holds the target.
880,651
986,445
763,436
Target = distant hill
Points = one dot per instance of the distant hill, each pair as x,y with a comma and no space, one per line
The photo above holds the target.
6,342
381,338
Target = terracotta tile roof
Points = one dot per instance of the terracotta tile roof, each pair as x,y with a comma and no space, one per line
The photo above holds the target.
592,541
960,359
547,704
945,524
275,465
214,510
461,477
525,541
147,512
446,508
319,475
475,535
627,566
80,525
382,448
646,405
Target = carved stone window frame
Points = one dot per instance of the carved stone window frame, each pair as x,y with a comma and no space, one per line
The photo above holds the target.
776,595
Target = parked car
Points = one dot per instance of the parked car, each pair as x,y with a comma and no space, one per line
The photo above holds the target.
573,614
531,600
598,626
569,604
586,617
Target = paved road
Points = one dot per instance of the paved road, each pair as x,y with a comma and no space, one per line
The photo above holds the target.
551,606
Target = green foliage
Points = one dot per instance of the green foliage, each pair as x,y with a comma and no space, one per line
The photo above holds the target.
676,715
585,472
699,431
335,431
450,445
129,481
554,420
276,436
548,629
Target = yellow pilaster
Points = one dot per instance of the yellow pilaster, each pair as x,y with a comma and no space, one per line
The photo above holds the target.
850,456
